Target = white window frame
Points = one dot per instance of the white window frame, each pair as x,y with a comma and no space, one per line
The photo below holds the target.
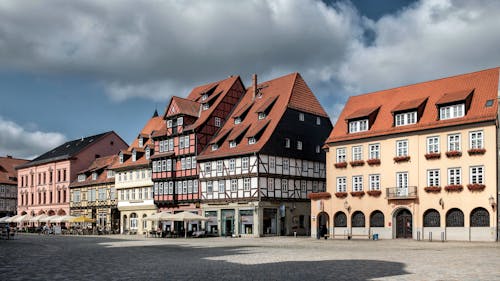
301,116
232,165
452,111
286,165
245,163
284,185
234,185
341,184
246,184
232,144
358,126
357,153
252,140
433,144
374,181
208,167
476,140
407,118
262,115
299,145
237,120
401,148
374,150
476,174
357,183
287,143
341,155
454,142
318,121
433,177
270,184
217,121
210,187
219,167
221,186
454,176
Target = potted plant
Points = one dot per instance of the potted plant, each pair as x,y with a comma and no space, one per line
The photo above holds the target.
398,159
434,155
476,187
357,163
434,189
357,193
454,187
341,194
453,153
374,161
341,165
374,193
319,195
476,151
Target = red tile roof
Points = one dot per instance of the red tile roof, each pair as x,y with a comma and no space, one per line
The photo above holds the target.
7,169
256,128
408,105
220,135
153,124
484,83
180,105
99,165
289,91
455,96
363,112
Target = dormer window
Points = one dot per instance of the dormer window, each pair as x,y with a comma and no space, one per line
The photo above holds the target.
81,177
134,156
237,121
407,118
204,97
121,158
251,140
169,123
141,141
262,115
111,174
148,153
452,111
215,147
358,126
94,176
180,121
205,106
232,144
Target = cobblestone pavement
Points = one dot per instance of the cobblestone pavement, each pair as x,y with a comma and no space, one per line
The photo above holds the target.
39,257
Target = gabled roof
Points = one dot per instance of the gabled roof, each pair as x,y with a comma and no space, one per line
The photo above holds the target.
99,166
362,112
484,83
408,105
65,151
100,163
275,96
180,105
153,124
8,173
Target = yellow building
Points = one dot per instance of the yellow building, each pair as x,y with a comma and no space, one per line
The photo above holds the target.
418,161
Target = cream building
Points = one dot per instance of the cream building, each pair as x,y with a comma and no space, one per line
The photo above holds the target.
419,161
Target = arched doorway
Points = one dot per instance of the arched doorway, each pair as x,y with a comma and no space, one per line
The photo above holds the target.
403,224
322,224
61,212
51,213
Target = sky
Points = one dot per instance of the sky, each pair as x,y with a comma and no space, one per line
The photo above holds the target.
76,68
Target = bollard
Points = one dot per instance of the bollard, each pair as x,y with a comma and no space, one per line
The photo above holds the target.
295,234
418,235
430,236
442,236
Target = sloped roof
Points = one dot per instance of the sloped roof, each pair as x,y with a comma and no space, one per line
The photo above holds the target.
484,83
411,104
180,105
7,169
280,91
153,124
100,166
455,96
65,151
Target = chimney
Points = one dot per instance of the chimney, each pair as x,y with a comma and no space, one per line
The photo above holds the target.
254,82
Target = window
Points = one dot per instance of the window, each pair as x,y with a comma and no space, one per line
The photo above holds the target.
315,186
81,177
237,121
318,121
318,149
358,126
476,140
304,166
205,106
183,163
110,174
374,182
299,145
476,174
232,144
301,116
452,111
76,196
222,186
407,118
402,148
246,184
234,185
112,193
357,183
170,145
184,187
272,162
102,194
433,144
244,163
164,165
316,167
232,165
454,176
433,177
454,142
179,121
215,147
357,153
94,176
208,167
209,186
284,185
141,141
303,186
341,184
193,162
287,143
218,122
270,184
374,150
121,158
133,221
169,165
169,123
262,115
286,165
181,142
188,163
148,153
251,140
219,166
341,155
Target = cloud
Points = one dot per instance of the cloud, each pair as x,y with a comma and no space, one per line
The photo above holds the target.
18,142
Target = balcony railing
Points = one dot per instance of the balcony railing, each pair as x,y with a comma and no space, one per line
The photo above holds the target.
398,193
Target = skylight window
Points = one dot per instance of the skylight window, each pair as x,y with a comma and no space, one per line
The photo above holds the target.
489,103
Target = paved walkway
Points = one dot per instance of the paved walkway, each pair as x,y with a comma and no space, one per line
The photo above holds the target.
34,257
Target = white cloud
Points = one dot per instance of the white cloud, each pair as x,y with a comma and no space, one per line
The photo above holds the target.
18,142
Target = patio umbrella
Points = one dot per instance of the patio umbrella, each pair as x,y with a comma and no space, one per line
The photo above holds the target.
38,218
11,219
82,219
186,217
20,219
49,219
63,219
4,219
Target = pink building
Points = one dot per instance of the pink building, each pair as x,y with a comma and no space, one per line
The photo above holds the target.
43,183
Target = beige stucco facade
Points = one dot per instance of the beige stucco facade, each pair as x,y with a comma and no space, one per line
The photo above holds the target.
391,204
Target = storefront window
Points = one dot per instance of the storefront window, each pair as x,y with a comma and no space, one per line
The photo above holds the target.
211,223
246,221
270,220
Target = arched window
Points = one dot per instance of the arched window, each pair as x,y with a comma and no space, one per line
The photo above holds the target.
358,219
340,220
479,217
432,218
133,221
144,221
455,218
377,219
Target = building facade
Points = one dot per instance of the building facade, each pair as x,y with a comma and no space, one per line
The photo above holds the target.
43,183
189,124
8,185
258,170
418,161
93,194
133,181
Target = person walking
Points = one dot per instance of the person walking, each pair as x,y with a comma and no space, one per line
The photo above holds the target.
7,228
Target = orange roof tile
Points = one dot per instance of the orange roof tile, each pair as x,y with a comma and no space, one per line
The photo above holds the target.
220,135
7,169
267,103
484,82
242,110
180,105
363,112
303,99
256,128
407,105
237,132
455,96
99,165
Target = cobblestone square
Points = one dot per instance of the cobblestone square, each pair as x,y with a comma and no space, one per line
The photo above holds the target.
39,257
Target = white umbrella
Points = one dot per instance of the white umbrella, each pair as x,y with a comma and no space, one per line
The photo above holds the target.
38,218
156,216
187,216
62,219
4,219
11,219
49,219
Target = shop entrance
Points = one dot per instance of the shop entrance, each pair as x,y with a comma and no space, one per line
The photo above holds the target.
227,222
404,224
270,221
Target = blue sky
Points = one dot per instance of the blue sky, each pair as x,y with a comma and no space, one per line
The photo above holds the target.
74,68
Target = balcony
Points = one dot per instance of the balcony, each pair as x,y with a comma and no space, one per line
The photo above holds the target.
398,193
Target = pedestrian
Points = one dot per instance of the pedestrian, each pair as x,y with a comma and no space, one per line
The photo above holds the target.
7,227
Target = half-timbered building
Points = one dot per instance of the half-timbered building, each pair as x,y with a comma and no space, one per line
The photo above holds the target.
133,181
258,170
189,124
